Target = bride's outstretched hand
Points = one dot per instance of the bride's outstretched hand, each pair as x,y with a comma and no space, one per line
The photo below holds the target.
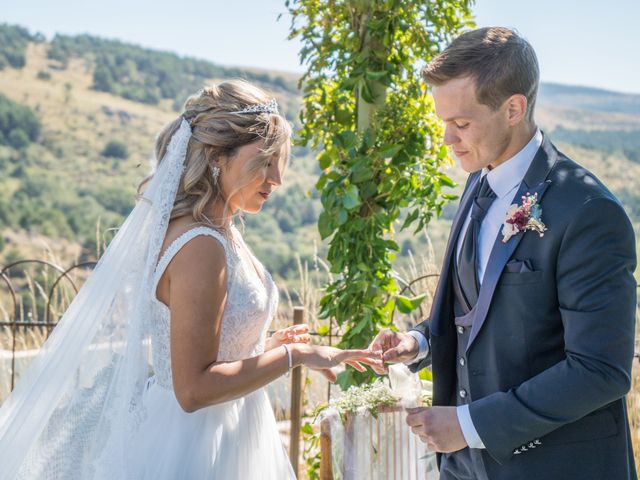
293,334
324,358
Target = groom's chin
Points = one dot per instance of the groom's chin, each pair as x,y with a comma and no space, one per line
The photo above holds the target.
466,164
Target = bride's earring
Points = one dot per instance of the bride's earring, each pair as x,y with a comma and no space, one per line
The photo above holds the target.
215,173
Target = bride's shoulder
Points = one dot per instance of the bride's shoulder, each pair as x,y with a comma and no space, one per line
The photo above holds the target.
185,234
187,243
190,252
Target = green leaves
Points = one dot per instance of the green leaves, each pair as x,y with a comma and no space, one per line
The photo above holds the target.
325,159
376,76
351,198
388,151
345,140
408,305
325,225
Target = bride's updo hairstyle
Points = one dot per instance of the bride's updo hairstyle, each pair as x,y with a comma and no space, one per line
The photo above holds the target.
217,133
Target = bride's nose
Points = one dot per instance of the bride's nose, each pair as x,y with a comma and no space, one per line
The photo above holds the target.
274,177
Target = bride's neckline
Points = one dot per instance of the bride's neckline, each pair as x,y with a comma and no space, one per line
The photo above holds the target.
237,245
249,257
236,242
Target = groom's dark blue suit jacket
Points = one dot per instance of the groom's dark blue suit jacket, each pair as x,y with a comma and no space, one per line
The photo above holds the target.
551,347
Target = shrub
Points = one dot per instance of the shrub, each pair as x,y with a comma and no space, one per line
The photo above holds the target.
116,149
14,116
18,139
116,199
13,45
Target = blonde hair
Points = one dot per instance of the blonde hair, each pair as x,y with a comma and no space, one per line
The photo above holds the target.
217,133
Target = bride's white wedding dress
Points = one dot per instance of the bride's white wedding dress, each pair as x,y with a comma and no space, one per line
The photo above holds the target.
238,439
86,408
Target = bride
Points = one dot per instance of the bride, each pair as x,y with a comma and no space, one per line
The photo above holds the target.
178,280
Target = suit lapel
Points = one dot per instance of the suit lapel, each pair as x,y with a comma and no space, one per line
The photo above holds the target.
533,182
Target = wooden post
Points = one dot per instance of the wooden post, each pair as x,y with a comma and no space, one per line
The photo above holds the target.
296,404
326,459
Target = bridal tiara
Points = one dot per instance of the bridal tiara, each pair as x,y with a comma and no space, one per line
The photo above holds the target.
269,107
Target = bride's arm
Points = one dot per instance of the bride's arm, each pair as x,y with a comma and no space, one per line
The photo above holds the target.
197,277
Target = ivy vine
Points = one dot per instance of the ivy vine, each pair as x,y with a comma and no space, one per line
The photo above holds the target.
368,113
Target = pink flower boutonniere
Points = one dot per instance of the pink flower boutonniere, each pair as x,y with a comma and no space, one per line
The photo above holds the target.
524,217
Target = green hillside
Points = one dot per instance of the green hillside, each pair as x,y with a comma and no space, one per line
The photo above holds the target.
89,109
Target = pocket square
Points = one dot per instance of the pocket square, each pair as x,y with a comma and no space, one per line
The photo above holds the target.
518,266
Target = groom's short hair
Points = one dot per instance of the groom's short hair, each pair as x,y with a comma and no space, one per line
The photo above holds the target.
501,62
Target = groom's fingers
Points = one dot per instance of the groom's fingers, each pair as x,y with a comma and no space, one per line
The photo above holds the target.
416,416
400,353
384,340
378,342
391,355
414,409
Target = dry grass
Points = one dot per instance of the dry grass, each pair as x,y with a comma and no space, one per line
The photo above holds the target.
37,301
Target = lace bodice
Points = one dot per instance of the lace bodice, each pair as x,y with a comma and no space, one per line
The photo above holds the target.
251,304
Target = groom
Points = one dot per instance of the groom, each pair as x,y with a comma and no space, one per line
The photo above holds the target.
531,331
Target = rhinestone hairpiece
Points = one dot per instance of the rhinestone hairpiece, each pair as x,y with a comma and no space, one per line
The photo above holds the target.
270,107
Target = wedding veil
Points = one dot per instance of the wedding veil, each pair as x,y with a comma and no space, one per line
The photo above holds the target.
72,413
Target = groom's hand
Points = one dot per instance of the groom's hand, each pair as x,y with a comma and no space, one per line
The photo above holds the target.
396,347
438,427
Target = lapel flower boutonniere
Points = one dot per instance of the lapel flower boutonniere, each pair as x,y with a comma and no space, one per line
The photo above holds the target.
527,216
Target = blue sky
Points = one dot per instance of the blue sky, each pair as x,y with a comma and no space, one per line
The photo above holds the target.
578,42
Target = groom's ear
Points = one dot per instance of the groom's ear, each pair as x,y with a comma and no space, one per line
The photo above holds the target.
516,109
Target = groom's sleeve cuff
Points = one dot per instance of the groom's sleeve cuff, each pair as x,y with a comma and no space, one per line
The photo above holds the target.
423,347
468,430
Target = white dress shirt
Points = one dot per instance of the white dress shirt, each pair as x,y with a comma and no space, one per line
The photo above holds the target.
504,181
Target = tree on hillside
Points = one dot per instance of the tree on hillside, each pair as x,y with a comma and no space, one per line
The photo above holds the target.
366,109
145,75
103,79
13,45
19,125
116,149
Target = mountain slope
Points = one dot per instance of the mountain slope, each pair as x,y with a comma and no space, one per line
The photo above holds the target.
61,185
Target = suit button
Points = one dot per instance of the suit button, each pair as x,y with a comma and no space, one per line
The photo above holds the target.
463,393
460,330
461,361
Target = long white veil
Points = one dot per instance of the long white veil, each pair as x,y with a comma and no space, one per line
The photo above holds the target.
72,414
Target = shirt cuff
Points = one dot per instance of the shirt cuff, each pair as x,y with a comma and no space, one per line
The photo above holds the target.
468,430
423,347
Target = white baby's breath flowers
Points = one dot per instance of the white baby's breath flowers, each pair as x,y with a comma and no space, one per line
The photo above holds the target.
368,397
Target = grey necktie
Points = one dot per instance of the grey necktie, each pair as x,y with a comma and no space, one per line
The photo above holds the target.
468,259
